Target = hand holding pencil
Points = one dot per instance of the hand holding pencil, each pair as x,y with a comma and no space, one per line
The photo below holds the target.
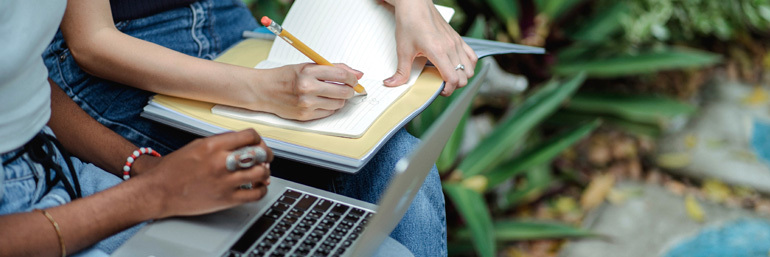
304,49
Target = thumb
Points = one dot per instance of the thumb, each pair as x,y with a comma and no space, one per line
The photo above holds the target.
402,71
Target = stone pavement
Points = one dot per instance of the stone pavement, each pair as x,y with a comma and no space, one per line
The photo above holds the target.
728,140
655,223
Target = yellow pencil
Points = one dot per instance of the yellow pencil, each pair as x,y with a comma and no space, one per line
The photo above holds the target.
304,49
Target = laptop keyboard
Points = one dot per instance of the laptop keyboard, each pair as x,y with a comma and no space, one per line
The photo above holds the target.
300,224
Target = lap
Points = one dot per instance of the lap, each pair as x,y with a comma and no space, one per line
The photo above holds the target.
24,189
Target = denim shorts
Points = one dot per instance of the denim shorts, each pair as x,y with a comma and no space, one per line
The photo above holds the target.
204,29
22,189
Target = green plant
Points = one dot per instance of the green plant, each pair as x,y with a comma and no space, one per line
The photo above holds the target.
499,158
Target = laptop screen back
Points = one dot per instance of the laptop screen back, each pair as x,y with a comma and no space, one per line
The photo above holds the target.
412,170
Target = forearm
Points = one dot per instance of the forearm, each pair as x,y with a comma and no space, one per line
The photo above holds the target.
83,222
103,51
154,68
88,139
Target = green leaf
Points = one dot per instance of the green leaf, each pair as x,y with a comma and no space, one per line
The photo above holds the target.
539,155
275,9
448,155
487,154
464,248
508,12
538,180
477,29
554,8
566,118
603,24
509,230
472,207
639,108
624,65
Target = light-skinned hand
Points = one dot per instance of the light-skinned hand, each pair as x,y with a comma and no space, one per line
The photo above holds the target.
306,91
421,31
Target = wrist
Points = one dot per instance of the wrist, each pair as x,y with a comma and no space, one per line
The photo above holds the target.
134,157
150,194
250,82
145,163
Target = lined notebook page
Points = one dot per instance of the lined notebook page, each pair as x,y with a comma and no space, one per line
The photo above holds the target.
358,33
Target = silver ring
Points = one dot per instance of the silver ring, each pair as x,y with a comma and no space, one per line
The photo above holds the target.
460,67
245,158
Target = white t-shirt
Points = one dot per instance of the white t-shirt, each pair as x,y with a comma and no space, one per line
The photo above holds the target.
26,29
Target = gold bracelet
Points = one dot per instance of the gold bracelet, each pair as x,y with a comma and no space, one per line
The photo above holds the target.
58,231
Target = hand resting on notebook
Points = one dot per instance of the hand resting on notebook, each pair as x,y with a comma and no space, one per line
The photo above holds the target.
421,31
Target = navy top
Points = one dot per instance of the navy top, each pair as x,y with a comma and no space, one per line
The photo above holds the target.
134,9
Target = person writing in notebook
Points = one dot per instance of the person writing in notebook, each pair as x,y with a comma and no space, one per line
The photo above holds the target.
111,56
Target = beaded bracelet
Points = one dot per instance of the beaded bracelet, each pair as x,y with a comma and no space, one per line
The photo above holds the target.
58,231
130,160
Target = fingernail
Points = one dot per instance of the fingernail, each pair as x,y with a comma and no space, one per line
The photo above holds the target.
389,80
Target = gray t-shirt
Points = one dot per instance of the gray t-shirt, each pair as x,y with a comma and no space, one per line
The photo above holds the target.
26,29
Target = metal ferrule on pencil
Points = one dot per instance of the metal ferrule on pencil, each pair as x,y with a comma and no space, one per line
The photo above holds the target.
275,28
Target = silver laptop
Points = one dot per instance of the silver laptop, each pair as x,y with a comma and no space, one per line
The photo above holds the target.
297,220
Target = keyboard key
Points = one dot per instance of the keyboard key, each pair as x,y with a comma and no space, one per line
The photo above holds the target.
279,206
274,214
351,218
325,250
334,237
315,213
347,223
332,216
290,219
296,212
357,211
287,200
323,205
292,194
329,243
326,223
339,208
346,244
296,233
278,232
305,202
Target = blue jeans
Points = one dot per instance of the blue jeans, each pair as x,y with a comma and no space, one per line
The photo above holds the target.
205,29
22,189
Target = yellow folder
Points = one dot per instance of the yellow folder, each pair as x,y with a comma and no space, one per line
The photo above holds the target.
344,154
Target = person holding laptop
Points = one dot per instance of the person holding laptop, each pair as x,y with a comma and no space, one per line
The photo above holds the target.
54,204
110,57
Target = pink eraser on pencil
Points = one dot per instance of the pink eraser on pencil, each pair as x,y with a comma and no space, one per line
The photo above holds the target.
266,21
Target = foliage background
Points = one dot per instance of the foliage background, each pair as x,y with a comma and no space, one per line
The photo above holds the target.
616,71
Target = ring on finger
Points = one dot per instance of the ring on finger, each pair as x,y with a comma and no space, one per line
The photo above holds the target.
245,158
460,67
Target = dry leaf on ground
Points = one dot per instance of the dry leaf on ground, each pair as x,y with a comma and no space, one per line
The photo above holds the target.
693,208
596,191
